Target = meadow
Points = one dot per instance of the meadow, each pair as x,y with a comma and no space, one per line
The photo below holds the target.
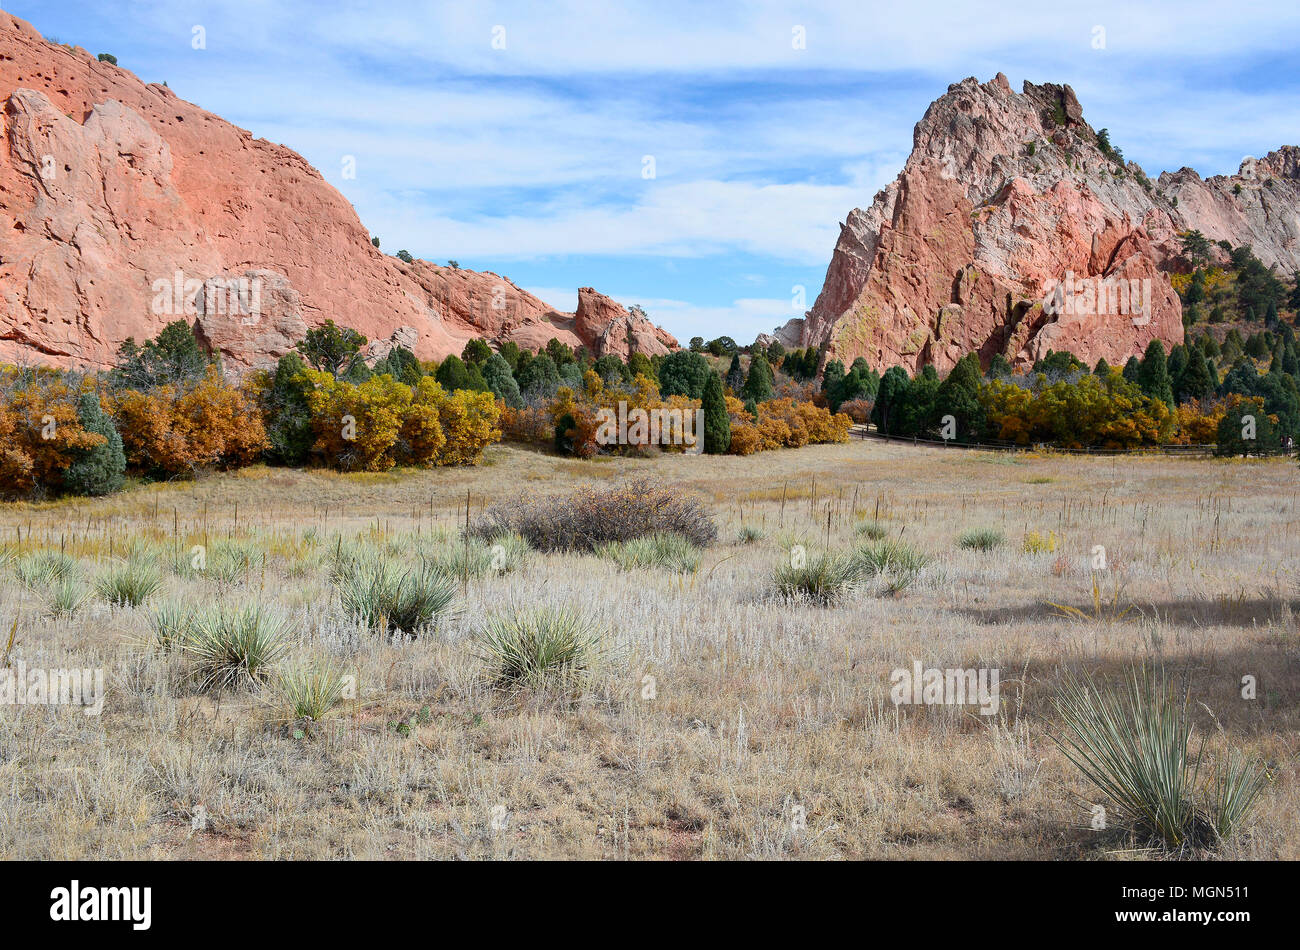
718,719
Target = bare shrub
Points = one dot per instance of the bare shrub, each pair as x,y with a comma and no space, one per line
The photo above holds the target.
589,517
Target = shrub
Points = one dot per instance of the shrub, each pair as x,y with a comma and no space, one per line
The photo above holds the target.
873,530
173,430
66,596
1131,743
820,579
889,556
671,552
981,539
749,534
1037,543
589,517
101,468
130,583
543,649
309,692
233,646
43,569
387,597
40,430
170,624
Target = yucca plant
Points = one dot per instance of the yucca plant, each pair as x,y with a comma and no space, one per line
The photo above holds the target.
130,583
67,596
748,534
170,624
43,569
671,552
981,539
1132,744
509,552
872,530
309,692
464,560
234,645
892,556
387,596
546,648
821,578
1236,786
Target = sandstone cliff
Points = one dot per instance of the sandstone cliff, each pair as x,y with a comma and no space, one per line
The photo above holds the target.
1010,231
124,207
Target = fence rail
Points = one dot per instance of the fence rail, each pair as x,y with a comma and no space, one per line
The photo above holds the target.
1195,451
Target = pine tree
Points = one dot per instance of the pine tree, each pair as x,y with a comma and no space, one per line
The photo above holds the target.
99,470
736,374
1153,374
717,424
758,383
1198,381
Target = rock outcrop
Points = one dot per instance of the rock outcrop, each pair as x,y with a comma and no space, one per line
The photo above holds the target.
1010,230
123,207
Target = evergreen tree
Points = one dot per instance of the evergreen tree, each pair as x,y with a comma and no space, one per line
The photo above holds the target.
1000,367
452,374
1102,369
476,351
288,415
501,382
401,364
832,377
1131,369
889,399
1153,374
735,374
684,374
174,356
758,382
331,349
538,376
958,396
1198,380
717,424
98,470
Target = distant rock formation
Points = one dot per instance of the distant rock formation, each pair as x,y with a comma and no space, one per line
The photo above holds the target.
1010,230
123,208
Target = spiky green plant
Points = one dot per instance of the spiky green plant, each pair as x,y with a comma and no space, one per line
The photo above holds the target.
388,596
872,530
1131,743
129,583
509,552
892,555
821,578
1235,788
309,692
464,560
42,569
981,539
748,534
670,552
546,648
170,624
65,597
234,645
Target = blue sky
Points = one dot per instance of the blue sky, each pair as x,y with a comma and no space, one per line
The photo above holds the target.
526,156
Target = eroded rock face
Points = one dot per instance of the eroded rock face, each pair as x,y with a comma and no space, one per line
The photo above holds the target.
1009,231
110,187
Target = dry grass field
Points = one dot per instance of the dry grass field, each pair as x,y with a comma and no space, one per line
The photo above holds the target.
767,730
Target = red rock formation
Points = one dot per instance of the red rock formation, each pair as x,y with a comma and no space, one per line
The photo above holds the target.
1005,202
110,187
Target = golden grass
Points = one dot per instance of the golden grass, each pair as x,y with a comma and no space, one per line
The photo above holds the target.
762,709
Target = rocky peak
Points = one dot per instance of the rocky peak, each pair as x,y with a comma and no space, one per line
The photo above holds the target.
1008,207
